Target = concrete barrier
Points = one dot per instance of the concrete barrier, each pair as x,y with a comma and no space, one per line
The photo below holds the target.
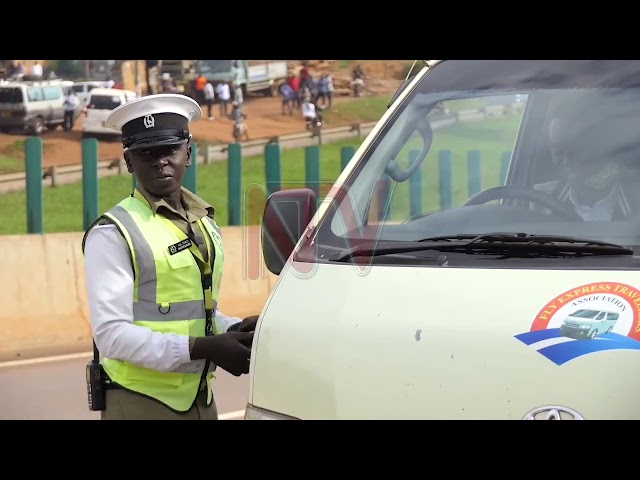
43,295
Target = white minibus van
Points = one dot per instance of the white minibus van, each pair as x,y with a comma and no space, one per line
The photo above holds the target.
492,201
32,107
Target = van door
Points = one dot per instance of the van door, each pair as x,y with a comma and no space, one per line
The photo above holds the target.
38,111
55,103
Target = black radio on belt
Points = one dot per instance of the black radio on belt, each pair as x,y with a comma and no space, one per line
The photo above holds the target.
96,394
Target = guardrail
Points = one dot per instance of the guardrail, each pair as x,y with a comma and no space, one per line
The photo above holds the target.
56,175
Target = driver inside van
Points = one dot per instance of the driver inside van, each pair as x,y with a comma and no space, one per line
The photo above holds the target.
592,158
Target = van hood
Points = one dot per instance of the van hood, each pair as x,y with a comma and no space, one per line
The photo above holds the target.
396,342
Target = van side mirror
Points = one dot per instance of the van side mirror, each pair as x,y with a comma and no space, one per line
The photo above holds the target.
286,216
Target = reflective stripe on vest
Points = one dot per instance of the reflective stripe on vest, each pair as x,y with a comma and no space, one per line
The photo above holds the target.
168,298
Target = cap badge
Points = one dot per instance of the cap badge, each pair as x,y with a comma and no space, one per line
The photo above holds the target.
149,121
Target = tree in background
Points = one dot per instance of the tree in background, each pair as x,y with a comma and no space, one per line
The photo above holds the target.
71,69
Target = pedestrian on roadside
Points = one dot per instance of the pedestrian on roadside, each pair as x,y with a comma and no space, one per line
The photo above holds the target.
224,96
71,103
209,97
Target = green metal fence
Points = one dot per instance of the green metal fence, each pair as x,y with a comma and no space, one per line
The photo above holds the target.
273,180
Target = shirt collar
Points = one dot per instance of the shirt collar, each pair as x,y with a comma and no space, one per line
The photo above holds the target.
192,203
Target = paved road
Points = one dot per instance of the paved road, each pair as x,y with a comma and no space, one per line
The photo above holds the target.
56,390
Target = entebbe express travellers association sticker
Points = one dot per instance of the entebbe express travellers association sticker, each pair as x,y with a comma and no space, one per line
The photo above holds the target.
587,319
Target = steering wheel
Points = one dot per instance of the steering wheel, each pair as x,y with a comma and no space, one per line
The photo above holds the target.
523,193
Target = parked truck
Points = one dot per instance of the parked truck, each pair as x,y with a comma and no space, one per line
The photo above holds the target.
181,70
253,76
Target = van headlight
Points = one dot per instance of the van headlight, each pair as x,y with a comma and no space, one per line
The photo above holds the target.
255,413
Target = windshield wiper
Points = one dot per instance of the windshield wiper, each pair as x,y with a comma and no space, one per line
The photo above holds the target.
529,239
505,244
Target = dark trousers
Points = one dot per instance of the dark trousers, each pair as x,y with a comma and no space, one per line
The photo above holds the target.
223,108
68,120
125,405
209,103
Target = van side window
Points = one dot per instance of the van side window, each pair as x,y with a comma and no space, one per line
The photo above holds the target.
52,93
78,88
35,94
11,95
612,316
600,316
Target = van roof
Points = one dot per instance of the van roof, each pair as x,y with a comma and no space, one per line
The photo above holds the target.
110,91
91,82
31,83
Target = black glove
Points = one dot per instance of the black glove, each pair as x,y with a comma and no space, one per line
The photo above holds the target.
230,351
246,325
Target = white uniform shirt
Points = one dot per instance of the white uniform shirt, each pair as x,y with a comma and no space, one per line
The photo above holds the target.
109,278
71,102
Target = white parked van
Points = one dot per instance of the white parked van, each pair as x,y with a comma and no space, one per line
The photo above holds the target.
492,201
31,106
100,103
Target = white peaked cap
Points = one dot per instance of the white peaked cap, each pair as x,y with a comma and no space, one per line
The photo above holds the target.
154,119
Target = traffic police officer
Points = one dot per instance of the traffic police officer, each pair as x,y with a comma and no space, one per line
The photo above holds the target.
153,269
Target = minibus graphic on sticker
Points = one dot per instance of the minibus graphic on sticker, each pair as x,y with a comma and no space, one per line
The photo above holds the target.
587,319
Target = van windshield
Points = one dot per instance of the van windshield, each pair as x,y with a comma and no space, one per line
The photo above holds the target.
213,66
533,147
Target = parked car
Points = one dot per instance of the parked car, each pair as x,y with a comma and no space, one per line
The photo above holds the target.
100,103
83,89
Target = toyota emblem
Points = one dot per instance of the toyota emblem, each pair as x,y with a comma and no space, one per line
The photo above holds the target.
553,413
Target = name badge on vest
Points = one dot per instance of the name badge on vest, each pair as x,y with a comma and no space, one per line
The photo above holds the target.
180,246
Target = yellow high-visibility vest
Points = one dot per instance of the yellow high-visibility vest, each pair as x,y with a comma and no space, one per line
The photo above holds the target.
168,297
